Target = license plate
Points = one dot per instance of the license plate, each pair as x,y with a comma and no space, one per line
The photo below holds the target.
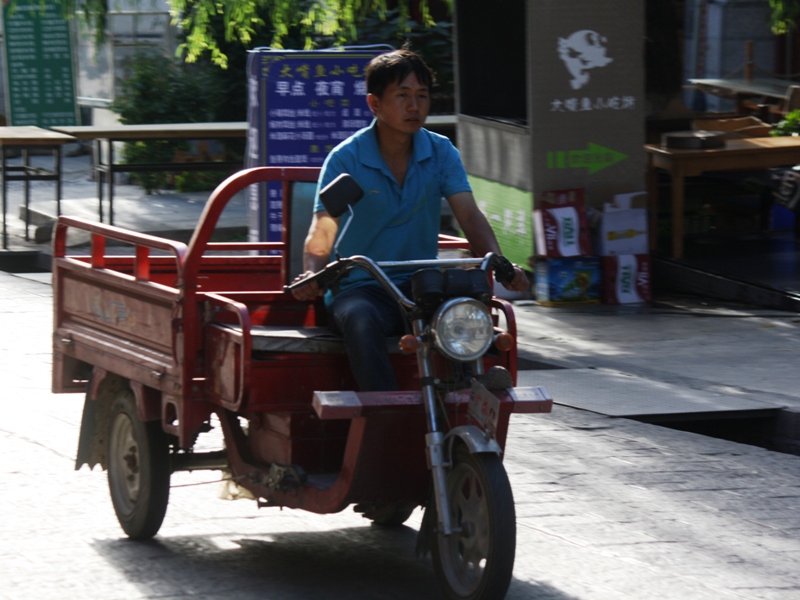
484,408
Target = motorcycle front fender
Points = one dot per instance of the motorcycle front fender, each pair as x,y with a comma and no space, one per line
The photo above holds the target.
474,439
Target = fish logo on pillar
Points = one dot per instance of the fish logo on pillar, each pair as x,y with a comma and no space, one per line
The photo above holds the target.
581,51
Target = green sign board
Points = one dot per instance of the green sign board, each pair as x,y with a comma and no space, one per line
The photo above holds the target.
508,211
595,158
38,71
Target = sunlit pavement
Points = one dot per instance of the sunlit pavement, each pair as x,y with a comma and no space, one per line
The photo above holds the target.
606,508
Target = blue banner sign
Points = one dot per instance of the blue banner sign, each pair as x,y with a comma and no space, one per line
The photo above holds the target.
301,105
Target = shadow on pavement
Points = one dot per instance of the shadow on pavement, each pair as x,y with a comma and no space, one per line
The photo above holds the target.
363,562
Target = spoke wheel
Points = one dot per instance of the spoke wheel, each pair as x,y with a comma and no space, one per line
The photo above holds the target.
477,560
138,469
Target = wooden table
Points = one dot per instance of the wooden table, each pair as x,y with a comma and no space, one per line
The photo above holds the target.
23,140
734,88
104,164
747,154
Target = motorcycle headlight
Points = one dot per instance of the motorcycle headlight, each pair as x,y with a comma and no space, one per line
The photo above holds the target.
462,329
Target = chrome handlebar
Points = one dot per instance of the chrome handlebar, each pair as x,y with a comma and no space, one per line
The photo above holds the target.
334,271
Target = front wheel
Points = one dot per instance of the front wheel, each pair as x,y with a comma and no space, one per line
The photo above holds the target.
476,561
138,469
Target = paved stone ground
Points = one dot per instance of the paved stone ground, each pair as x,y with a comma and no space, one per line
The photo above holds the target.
620,509
607,509
716,346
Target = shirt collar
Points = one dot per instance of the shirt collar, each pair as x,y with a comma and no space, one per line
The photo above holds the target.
370,155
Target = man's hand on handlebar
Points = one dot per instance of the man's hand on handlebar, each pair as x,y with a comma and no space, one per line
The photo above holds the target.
510,275
520,283
308,291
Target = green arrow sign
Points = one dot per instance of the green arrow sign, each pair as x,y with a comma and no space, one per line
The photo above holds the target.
594,158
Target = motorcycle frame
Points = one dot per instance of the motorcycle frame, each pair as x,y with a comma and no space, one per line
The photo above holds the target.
438,454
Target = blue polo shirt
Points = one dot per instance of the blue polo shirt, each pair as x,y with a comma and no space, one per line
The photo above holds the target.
394,223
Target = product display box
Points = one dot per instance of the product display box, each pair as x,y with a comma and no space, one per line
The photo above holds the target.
560,224
626,278
557,198
566,281
622,228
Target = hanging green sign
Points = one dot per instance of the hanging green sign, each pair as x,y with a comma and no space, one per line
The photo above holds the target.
38,71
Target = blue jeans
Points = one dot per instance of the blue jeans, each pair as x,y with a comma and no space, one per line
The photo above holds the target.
365,316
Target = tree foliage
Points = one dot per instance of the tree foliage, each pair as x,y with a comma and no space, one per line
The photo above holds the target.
783,15
312,19
243,20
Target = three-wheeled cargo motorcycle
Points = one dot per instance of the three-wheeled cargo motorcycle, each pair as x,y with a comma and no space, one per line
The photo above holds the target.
170,338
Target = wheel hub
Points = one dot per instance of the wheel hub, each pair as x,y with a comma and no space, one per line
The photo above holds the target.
469,548
125,458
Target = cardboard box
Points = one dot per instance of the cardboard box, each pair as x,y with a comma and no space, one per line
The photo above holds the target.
622,228
626,279
557,198
562,232
786,188
560,224
568,281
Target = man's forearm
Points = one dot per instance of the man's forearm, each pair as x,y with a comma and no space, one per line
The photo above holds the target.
319,242
314,262
480,234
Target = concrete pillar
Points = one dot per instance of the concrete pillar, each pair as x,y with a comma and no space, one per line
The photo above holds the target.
550,95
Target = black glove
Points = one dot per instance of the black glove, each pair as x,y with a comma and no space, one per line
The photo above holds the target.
503,269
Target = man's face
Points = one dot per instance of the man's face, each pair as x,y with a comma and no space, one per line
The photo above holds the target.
403,106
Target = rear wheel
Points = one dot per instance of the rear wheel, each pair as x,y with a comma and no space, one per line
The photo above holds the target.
477,560
138,469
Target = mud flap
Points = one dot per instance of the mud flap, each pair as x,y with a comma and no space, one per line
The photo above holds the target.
88,421
94,431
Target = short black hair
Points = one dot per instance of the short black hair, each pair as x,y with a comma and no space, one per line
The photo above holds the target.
394,67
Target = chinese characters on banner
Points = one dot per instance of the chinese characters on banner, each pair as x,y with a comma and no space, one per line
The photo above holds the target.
38,65
301,105
508,210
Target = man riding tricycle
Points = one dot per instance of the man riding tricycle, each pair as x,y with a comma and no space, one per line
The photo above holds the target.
393,391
